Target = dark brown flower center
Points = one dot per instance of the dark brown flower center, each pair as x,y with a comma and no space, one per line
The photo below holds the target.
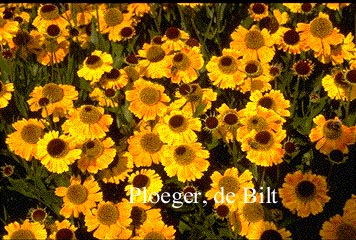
57,148
132,59
289,147
266,102
138,216
336,155
140,181
110,92
340,80
305,190
270,23
230,119
92,149
271,234
49,12
211,122
253,69
263,137
222,211
53,30
192,42
21,38
258,8
351,76
172,33
126,32
177,123
43,101
181,61
306,7
332,129
113,74
38,215
185,89
64,233
303,68
291,37
93,61
227,64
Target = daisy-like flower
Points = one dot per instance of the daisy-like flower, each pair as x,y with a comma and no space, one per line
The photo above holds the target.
147,99
259,119
25,230
7,170
115,79
63,230
24,43
38,214
6,91
23,141
79,197
56,152
48,14
95,65
228,122
290,42
174,39
156,62
273,99
110,220
112,21
222,211
87,122
231,182
97,154
224,71
303,68
253,43
138,9
337,87
82,13
343,51
187,161
126,33
8,30
350,206
258,11
320,35
145,145
255,76
339,227
264,148
193,98
331,134
155,230
121,167
141,212
302,8
53,100
143,181
178,127
105,97
274,23
185,65
269,230
304,193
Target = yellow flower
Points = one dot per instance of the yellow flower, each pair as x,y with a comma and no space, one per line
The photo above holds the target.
95,65
174,39
143,185
48,14
185,65
8,30
178,127
56,152
232,183
114,79
331,134
53,99
63,230
339,227
155,230
6,91
290,42
147,99
258,11
25,230
82,11
303,68
145,145
253,44
320,35
350,206
224,71
141,212
343,51
87,122
187,161
23,141
269,230
304,193
303,8
337,87
105,97
228,119
110,220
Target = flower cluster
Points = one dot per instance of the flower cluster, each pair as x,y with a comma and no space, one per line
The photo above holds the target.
244,110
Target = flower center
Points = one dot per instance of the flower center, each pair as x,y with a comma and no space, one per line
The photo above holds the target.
305,191
113,74
222,211
263,141
77,194
113,17
192,42
185,89
229,184
92,149
289,147
345,231
131,59
38,215
31,133
306,7
53,92
43,101
253,69
89,114
340,80
53,30
150,95
110,92
257,123
211,122
108,214
138,216
254,39
151,143
332,129
303,68
64,233
227,64
172,33
157,40
266,102
291,37
258,8
93,62
57,148
270,23
140,181
178,123
321,27
351,76
184,155
126,32
21,38
196,93
181,61
22,234
336,155
253,212
49,12
155,53
271,234
230,119
154,235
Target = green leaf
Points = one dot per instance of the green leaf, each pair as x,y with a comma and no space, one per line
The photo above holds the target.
5,69
182,226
